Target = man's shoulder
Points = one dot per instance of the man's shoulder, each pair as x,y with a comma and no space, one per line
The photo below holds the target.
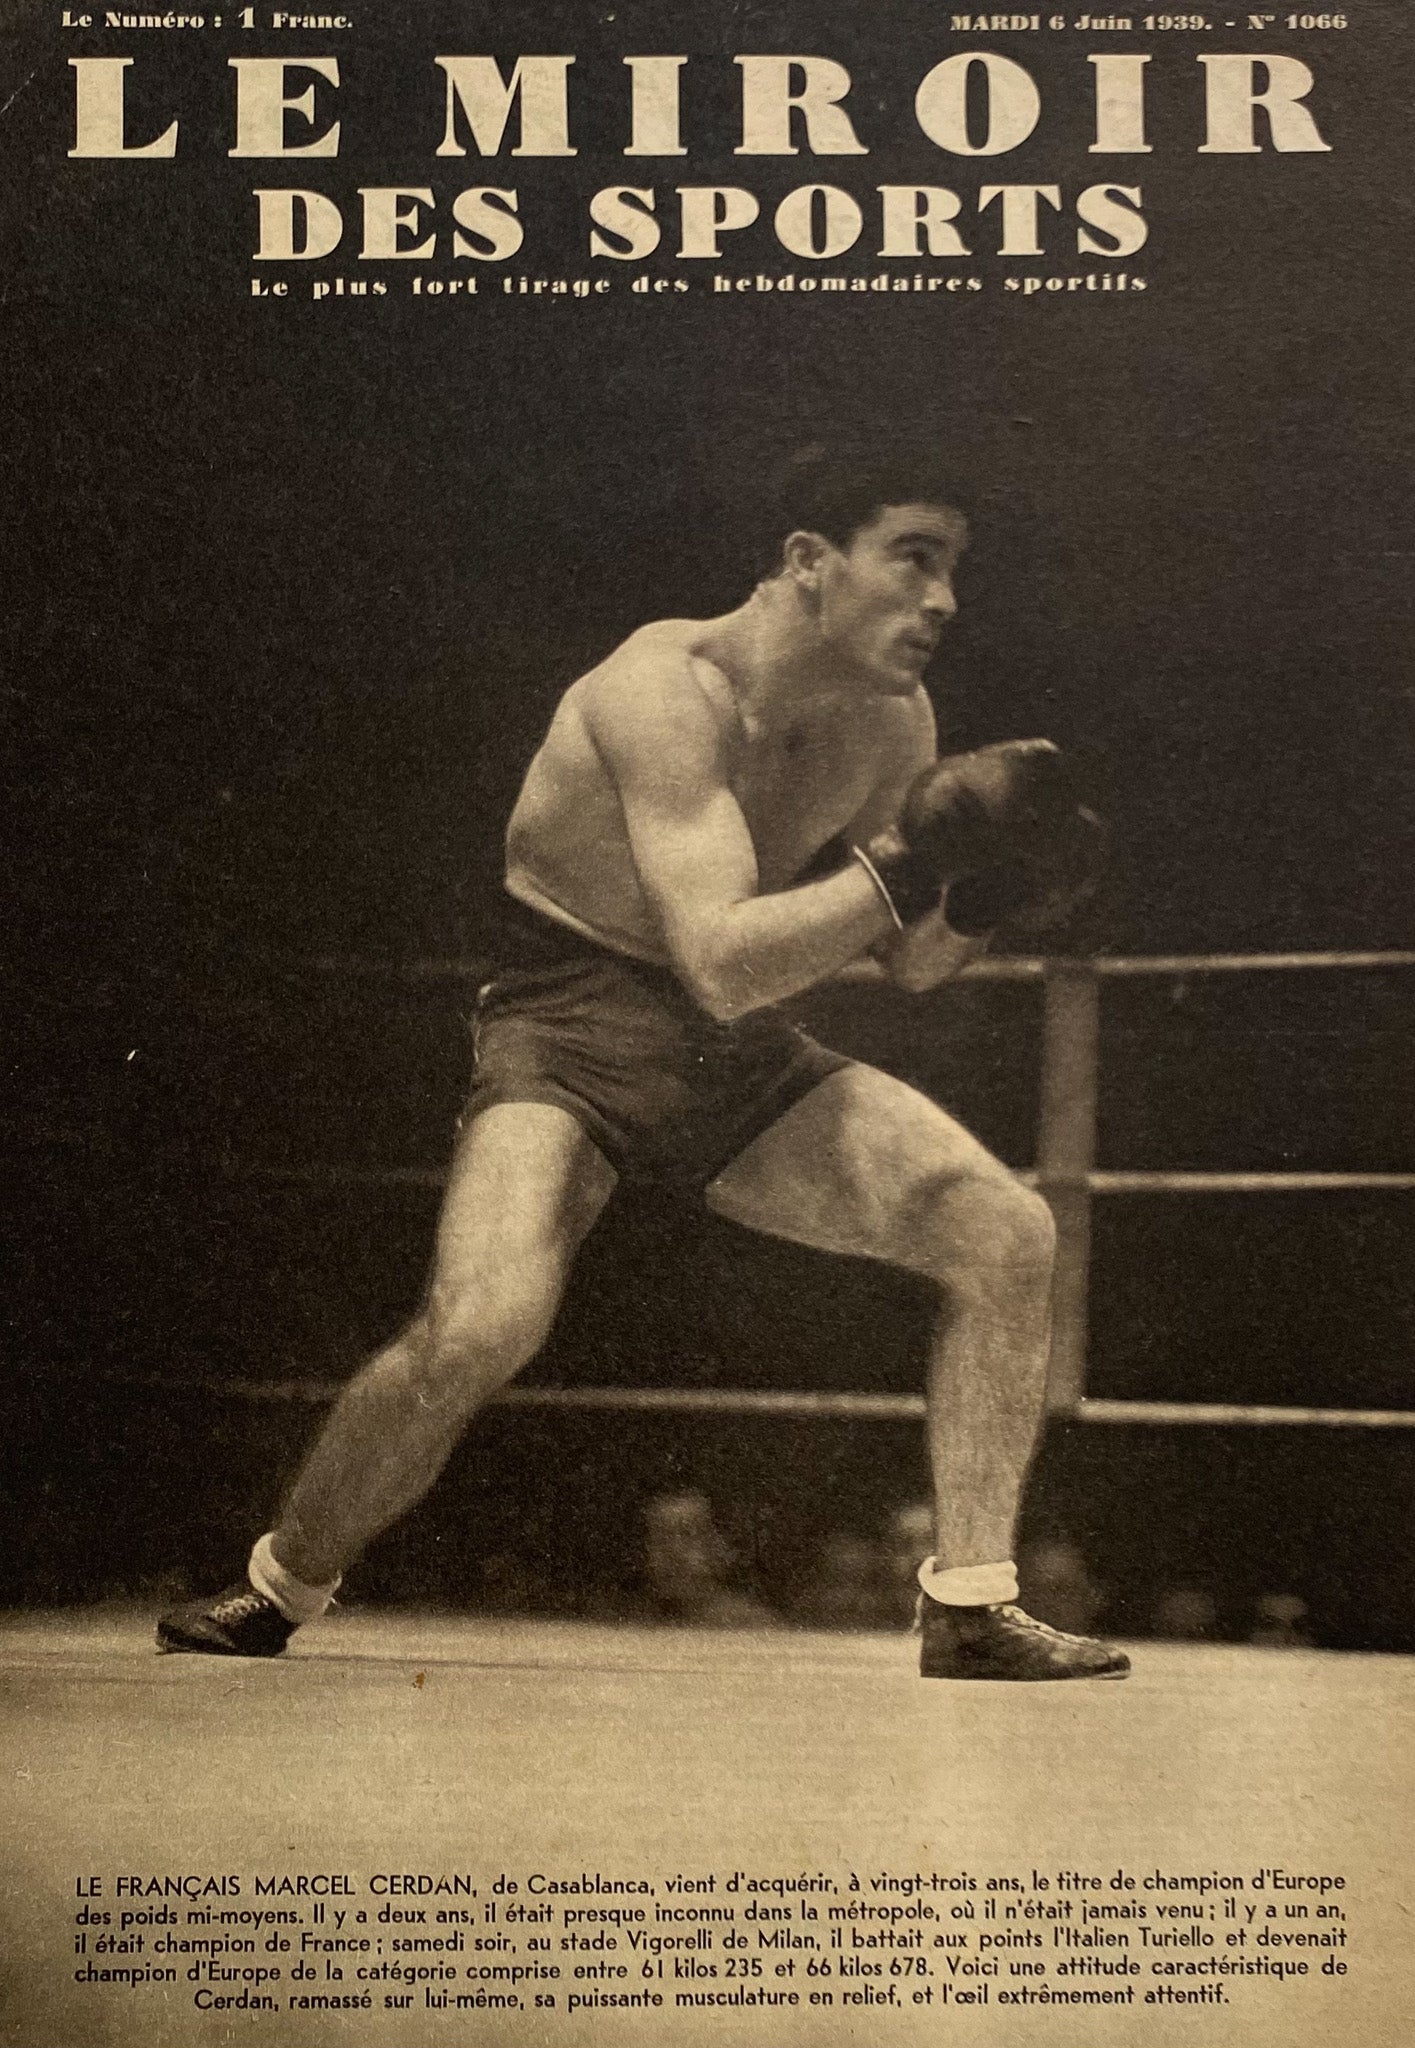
664,648
656,680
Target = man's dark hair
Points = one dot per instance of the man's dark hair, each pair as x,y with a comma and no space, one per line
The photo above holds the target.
834,491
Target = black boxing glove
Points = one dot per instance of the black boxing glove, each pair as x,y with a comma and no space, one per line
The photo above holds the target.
1030,894
990,812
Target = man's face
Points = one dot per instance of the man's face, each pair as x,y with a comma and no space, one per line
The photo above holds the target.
888,593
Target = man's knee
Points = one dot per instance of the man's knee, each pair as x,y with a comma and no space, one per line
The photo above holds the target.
470,1337
989,1228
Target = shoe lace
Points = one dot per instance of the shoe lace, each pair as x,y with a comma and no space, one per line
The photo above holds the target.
238,1607
1020,1618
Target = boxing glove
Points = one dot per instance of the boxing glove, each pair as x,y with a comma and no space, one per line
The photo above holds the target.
1030,894
1006,812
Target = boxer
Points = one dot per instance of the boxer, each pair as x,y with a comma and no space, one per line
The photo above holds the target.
723,813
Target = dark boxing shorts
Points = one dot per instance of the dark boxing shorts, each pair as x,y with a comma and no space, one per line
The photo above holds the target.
666,1092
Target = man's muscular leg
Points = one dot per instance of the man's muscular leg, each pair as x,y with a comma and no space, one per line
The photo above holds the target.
526,1186
864,1165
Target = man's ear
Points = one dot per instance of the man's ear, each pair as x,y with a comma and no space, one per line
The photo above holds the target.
802,554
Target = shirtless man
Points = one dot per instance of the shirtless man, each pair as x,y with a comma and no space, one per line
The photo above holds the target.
656,916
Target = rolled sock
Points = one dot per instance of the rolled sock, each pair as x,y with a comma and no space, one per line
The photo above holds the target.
296,1601
969,1585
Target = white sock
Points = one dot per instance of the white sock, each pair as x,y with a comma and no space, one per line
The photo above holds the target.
296,1601
969,1585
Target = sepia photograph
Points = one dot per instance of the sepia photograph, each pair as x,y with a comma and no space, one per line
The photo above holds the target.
712,801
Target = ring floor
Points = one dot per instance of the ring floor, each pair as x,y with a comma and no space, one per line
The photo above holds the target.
425,1748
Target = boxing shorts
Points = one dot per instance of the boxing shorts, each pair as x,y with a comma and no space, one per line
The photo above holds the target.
667,1093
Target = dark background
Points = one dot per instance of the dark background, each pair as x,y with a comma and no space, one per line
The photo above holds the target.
293,588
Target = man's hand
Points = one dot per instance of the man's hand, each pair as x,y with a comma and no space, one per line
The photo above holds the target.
926,954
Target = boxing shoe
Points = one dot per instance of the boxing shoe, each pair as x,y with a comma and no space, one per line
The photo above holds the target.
237,1623
1005,1642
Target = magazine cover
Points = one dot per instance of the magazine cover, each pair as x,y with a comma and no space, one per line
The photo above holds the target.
709,1119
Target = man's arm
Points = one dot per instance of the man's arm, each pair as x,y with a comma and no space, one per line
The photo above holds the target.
929,951
735,950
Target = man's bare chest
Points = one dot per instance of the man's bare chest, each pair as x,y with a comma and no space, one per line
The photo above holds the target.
796,791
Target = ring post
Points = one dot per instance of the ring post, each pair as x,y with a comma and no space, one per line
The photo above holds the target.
1066,1151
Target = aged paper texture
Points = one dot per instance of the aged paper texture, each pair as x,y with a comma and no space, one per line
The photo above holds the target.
370,377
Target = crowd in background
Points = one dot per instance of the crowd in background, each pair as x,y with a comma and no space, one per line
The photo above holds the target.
692,1575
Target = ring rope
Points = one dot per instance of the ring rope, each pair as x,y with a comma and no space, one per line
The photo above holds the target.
998,967
803,1404
1097,1182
